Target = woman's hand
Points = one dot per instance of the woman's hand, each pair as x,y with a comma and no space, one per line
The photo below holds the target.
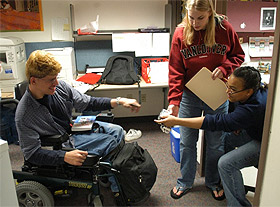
174,110
167,120
217,73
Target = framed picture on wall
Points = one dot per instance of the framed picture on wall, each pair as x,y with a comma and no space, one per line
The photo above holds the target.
268,18
18,15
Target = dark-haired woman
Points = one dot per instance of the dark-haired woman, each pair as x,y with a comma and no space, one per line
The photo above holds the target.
244,127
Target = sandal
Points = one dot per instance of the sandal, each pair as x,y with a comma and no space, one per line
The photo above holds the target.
184,192
218,189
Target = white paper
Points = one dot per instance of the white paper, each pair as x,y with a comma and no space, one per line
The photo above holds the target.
123,42
95,70
158,72
245,47
212,92
161,44
60,29
265,78
143,44
261,46
81,86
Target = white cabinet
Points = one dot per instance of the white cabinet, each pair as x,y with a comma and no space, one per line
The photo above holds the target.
8,195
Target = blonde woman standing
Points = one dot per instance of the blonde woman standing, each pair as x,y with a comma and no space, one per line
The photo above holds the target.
202,39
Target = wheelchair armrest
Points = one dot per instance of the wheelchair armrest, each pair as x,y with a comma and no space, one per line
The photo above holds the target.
91,160
54,140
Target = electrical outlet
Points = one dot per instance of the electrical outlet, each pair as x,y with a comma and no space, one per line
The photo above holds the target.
143,98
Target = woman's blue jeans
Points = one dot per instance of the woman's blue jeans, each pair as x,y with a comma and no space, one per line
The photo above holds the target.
245,155
192,106
100,143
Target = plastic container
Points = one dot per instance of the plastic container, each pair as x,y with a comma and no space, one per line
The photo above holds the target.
175,143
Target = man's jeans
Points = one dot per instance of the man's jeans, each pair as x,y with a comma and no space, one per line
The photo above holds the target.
100,143
246,155
192,106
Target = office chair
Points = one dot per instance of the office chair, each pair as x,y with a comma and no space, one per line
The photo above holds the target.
20,89
7,125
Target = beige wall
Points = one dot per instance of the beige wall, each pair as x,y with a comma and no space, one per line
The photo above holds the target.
113,15
271,181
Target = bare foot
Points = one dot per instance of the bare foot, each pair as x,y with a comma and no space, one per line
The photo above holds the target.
220,194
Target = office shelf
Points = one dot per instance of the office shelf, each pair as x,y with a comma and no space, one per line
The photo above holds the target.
101,34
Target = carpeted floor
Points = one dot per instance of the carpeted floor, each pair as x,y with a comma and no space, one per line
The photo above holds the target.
158,144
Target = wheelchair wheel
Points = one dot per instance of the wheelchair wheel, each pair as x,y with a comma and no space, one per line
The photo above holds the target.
95,200
31,193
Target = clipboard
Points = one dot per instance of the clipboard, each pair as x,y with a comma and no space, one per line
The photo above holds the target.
212,92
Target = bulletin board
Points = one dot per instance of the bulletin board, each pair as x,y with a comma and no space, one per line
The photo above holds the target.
249,13
120,15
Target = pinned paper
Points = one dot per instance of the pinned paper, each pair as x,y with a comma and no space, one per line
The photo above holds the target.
60,29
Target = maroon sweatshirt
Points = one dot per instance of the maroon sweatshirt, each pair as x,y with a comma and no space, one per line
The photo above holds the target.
185,62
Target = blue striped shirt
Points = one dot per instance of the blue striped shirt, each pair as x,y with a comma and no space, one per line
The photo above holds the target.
34,120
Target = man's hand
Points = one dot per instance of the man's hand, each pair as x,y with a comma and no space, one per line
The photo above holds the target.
75,157
128,103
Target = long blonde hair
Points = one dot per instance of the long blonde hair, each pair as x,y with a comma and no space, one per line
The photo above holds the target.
201,5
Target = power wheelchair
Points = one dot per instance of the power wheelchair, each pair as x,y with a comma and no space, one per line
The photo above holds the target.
37,185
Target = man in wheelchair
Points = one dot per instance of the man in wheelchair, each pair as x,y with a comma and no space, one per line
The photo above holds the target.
46,109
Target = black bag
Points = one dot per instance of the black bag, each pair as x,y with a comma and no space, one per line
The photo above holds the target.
137,172
119,70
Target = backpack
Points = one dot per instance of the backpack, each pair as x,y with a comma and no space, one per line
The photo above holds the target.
119,70
137,172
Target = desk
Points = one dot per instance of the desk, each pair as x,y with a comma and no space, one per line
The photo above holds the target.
153,97
7,95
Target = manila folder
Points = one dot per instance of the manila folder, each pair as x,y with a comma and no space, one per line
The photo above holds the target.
212,92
